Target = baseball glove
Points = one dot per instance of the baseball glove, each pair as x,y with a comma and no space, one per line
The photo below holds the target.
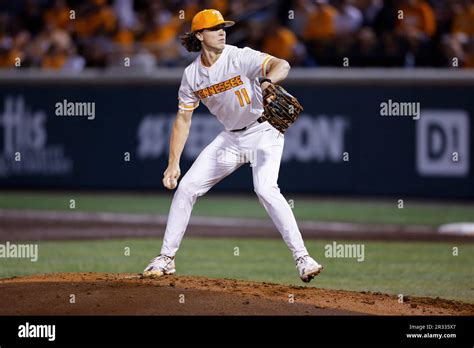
280,108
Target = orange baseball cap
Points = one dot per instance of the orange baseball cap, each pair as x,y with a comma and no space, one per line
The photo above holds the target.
208,19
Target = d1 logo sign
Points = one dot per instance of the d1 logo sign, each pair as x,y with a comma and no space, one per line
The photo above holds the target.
442,142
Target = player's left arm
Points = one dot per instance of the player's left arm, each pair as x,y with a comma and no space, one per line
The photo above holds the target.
256,64
276,70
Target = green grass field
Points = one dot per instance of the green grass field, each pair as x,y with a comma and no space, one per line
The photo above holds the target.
366,211
411,269
415,268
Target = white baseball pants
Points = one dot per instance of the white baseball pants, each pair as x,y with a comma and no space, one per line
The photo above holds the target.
261,145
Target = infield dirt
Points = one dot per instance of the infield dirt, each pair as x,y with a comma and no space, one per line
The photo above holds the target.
130,294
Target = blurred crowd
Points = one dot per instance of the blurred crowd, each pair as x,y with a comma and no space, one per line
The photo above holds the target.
75,34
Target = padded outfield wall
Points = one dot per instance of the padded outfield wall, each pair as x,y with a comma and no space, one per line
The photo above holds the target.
341,144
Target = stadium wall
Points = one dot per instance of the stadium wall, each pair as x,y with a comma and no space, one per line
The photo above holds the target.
341,144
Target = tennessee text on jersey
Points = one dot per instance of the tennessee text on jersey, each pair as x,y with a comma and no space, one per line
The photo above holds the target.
219,87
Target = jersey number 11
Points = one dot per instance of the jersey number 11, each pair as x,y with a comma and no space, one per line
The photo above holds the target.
246,96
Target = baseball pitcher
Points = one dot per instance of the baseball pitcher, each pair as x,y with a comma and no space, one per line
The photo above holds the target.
238,86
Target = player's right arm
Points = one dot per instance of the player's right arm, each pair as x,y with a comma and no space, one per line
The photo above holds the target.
179,135
188,101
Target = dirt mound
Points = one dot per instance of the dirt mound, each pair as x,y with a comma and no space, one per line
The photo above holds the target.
129,294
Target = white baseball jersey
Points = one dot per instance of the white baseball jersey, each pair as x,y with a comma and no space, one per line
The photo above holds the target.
229,88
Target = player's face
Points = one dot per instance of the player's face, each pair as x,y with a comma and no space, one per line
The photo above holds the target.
214,38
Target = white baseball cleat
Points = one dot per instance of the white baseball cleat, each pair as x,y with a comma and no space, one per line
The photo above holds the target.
308,268
159,266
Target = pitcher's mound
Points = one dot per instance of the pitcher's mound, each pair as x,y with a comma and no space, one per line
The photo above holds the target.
129,294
